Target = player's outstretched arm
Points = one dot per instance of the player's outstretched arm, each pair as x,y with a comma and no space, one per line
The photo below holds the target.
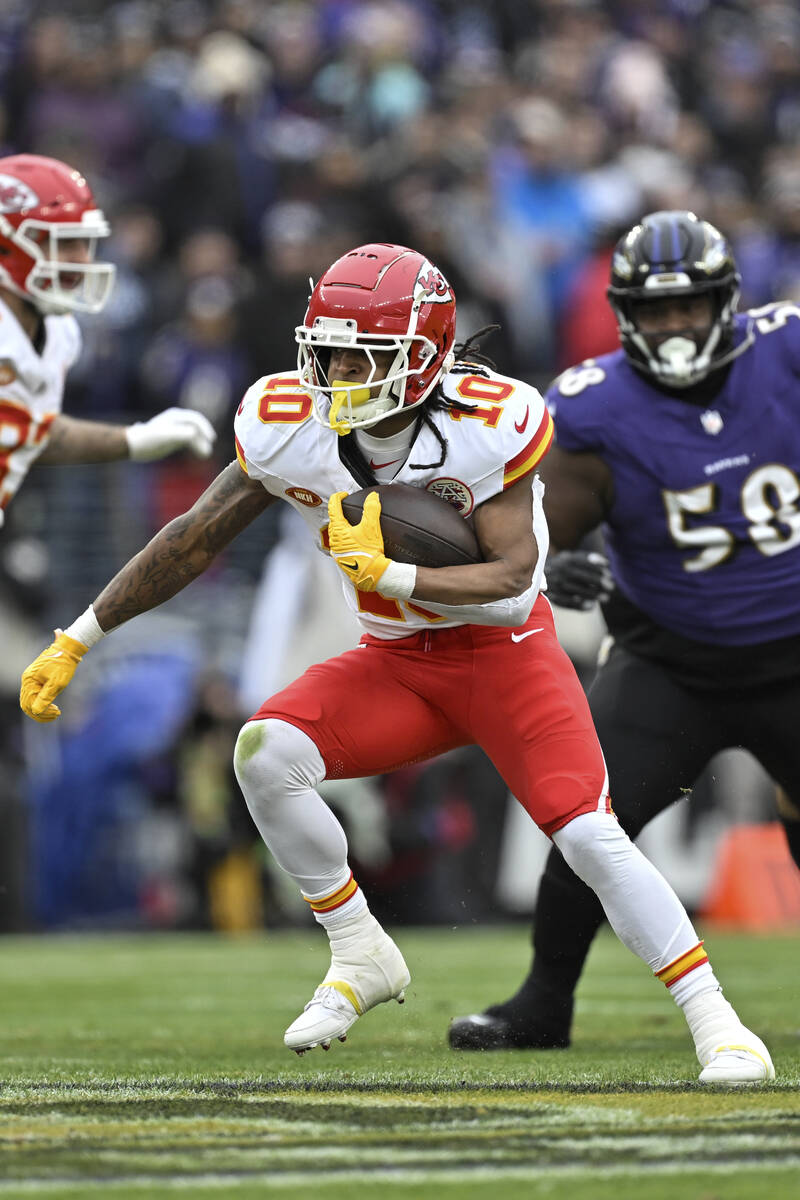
72,441
175,556
183,549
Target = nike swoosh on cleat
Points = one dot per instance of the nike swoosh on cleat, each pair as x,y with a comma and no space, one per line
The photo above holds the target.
520,637
520,428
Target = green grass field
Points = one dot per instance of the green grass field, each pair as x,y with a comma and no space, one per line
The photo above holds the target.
154,1066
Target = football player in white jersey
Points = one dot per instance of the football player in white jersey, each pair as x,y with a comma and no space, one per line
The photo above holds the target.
449,656
49,229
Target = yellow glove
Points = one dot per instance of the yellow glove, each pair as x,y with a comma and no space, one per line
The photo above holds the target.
358,549
48,675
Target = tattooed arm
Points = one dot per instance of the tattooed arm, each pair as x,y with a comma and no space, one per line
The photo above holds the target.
183,549
177,555
73,441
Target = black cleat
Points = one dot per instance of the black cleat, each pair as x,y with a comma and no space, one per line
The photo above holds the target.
491,1030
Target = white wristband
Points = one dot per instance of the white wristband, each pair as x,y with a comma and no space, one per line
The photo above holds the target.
398,581
86,629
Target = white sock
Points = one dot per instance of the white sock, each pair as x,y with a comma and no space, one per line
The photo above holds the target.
339,905
688,976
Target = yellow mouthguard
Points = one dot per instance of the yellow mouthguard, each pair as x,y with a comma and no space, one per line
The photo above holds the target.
340,392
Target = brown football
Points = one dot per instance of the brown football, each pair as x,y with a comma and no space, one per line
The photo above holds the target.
418,527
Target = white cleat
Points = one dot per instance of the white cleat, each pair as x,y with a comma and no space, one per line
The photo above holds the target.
366,969
726,1050
743,1058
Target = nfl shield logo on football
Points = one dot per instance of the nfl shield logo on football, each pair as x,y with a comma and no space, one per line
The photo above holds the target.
712,421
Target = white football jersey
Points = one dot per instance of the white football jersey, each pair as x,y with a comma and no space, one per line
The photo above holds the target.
31,392
279,442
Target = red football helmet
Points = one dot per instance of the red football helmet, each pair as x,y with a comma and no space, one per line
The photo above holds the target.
49,229
377,297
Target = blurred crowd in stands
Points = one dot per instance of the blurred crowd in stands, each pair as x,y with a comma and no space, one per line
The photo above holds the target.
238,146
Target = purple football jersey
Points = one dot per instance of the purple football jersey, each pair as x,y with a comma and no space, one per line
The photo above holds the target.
704,532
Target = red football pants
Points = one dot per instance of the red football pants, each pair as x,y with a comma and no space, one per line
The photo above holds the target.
513,692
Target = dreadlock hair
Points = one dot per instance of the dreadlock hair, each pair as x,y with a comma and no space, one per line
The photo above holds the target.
468,361
468,356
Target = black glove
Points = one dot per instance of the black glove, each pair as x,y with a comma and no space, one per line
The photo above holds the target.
577,579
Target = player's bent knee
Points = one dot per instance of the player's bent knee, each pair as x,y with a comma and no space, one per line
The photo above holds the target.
275,755
248,743
594,845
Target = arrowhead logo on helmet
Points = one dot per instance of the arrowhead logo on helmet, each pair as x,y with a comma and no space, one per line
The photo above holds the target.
15,195
431,286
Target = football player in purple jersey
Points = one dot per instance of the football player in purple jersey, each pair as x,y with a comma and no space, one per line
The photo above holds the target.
683,446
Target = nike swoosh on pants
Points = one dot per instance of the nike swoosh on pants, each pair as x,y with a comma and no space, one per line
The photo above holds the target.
520,637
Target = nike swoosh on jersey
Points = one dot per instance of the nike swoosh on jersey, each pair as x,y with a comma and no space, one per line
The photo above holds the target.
377,466
520,637
520,428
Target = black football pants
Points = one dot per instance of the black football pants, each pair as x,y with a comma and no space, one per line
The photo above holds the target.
657,736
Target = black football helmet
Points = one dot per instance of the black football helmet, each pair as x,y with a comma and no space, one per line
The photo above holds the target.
675,254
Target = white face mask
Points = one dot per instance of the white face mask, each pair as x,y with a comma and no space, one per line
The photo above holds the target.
54,284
